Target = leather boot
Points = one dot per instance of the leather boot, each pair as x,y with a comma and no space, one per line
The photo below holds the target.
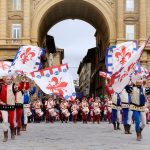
138,136
5,136
114,126
21,129
15,130
18,131
140,133
125,129
12,133
128,129
118,128
25,127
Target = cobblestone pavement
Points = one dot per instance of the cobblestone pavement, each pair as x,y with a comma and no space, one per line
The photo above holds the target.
78,136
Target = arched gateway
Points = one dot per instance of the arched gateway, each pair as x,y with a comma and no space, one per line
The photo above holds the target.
97,13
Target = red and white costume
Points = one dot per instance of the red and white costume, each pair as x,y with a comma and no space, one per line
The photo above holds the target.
7,106
91,100
38,104
96,106
64,110
18,106
26,104
74,110
50,109
85,110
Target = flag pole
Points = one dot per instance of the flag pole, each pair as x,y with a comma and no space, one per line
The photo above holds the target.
147,41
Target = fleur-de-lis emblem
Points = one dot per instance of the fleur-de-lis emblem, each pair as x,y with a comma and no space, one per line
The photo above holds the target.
27,55
57,87
4,66
123,55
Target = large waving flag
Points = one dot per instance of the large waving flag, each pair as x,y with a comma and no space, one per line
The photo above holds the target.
55,80
121,78
118,55
4,68
27,59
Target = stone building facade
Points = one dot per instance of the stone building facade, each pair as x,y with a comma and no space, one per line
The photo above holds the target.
58,56
53,59
84,72
89,68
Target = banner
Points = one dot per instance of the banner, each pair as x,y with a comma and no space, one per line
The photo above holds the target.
55,80
109,60
122,77
118,55
4,68
27,59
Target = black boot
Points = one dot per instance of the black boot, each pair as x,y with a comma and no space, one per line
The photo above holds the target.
12,133
140,133
15,130
118,128
25,127
138,136
66,119
126,129
5,136
114,126
18,131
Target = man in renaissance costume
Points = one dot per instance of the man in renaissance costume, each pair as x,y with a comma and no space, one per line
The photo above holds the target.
138,102
85,109
64,106
7,107
50,108
96,111
74,110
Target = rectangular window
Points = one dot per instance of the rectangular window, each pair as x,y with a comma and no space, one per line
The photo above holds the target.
17,4
129,5
16,31
130,30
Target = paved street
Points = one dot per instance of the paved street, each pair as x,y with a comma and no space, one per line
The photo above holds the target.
78,136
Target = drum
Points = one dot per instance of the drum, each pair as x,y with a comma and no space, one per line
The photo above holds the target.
97,111
75,112
86,110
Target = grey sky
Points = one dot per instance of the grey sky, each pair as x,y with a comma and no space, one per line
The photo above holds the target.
75,37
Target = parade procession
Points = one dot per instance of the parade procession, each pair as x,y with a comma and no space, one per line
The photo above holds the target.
32,94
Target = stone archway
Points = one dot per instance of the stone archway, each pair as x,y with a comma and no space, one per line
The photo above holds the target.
97,13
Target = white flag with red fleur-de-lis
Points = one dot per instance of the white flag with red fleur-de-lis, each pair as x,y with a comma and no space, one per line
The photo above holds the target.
27,59
55,80
4,68
121,78
122,53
